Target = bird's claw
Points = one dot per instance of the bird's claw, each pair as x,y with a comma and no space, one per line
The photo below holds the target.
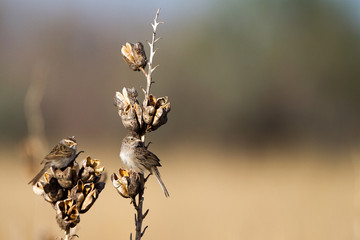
147,177
78,154
148,145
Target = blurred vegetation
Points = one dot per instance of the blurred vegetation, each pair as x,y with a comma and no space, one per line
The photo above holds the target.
238,71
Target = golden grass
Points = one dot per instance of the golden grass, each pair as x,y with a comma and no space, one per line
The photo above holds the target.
215,194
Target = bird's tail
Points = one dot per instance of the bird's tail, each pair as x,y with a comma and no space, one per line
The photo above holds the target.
162,185
38,176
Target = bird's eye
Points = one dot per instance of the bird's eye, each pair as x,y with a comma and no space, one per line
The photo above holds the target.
69,143
131,139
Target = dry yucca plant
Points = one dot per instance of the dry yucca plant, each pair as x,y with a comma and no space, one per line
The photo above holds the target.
71,189
139,119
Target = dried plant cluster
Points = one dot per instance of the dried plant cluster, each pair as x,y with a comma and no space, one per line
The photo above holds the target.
139,119
72,190
134,55
127,183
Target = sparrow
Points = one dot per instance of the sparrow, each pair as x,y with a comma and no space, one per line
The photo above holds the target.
60,156
134,154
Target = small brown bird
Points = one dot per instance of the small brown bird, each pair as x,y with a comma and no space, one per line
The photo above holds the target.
60,156
135,155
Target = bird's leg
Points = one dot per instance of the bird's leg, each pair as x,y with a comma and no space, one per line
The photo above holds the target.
147,145
147,177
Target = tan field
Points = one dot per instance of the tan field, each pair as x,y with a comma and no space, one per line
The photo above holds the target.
220,194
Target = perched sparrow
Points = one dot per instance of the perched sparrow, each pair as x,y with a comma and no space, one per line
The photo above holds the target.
135,155
61,156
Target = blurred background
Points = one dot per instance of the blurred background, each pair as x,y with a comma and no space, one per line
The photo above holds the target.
262,140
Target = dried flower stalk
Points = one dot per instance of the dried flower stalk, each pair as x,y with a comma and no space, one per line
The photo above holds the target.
152,53
139,119
139,215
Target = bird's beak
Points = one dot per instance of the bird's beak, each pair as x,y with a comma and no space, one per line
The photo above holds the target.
75,144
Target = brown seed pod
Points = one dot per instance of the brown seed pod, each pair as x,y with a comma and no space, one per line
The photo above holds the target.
134,55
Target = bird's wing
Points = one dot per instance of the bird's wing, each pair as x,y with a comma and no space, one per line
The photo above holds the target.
147,158
58,152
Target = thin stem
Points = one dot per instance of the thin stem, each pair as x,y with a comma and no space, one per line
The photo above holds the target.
152,53
143,71
138,205
139,215
67,234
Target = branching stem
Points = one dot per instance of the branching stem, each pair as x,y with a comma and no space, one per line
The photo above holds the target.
151,69
138,203
139,215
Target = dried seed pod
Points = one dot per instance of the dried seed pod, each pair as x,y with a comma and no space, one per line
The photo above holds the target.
129,109
89,201
121,101
157,117
134,55
132,95
130,121
139,55
38,188
148,114
53,190
161,101
127,184
152,100
133,184
87,174
86,194
67,214
121,184
128,56
139,114
68,177
91,170
155,112
149,109
77,194
160,116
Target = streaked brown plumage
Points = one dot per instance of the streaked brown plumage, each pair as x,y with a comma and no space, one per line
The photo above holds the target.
135,155
60,156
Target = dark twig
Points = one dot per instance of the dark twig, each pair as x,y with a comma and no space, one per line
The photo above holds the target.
143,232
147,211
67,234
139,215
